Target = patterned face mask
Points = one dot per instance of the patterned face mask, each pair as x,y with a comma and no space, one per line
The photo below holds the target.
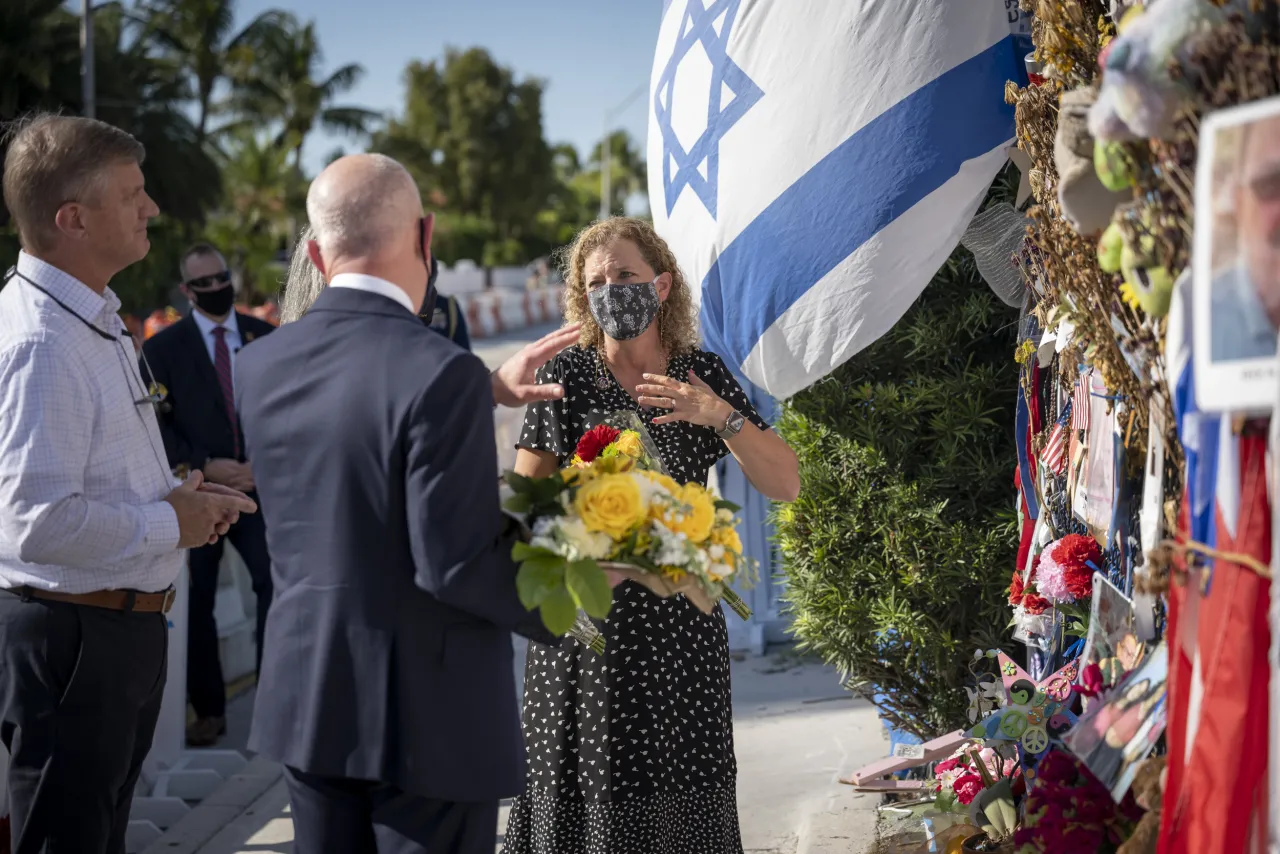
624,311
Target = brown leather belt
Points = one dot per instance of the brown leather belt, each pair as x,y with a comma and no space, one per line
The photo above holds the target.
114,600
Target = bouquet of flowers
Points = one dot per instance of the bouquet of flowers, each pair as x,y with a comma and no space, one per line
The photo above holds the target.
958,780
614,508
1069,810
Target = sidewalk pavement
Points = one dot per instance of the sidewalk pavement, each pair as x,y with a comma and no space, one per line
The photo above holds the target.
795,731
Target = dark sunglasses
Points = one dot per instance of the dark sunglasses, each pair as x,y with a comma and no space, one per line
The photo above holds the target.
211,281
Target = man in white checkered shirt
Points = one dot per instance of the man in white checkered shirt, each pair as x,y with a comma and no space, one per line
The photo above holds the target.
91,526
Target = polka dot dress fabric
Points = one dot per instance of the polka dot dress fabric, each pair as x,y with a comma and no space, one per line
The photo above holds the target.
631,752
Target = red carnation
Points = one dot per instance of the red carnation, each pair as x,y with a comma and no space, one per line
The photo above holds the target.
945,766
596,440
1016,588
1077,550
1034,605
967,788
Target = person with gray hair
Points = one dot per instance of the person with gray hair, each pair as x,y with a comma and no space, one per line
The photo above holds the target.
92,528
386,687
303,283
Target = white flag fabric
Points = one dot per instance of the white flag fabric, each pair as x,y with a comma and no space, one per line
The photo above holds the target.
812,163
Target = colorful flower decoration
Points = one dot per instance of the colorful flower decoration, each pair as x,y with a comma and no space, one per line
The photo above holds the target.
1035,713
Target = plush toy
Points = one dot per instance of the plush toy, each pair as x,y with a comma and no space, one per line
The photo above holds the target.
1112,165
1086,201
1139,97
1147,284
1148,791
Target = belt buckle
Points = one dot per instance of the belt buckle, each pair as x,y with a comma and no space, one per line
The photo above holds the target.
169,595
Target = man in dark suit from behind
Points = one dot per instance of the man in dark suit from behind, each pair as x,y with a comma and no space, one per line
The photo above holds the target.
387,689
194,360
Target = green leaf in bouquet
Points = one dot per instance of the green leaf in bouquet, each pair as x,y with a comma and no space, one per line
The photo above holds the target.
722,504
589,587
519,503
518,482
559,611
538,579
521,552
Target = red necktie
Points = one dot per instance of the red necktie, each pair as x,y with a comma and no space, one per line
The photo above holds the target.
222,366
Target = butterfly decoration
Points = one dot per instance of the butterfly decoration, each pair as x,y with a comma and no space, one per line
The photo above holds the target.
1034,713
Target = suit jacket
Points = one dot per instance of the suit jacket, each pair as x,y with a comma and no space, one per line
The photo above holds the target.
193,418
388,645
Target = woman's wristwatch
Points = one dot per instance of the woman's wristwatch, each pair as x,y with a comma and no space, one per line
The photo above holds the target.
732,426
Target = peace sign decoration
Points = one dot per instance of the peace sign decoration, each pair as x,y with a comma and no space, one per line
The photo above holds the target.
1034,713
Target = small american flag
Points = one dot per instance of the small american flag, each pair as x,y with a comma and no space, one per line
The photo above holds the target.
1054,455
1080,404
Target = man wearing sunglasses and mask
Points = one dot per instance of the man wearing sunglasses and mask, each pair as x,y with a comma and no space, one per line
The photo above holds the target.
195,360
1246,298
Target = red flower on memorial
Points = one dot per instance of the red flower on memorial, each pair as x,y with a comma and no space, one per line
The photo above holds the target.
967,788
1034,605
1016,589
596,440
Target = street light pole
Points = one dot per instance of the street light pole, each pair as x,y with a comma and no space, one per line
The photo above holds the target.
606,174
86,57
87,88
606,153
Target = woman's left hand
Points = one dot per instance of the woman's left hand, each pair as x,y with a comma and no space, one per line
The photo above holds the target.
693,401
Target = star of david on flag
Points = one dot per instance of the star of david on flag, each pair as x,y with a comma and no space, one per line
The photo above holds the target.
812,164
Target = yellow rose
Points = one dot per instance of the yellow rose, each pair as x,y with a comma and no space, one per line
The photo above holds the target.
696,517
665,482
727,537
628,444
610,503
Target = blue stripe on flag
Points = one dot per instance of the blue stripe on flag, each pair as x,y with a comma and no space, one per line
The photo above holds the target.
865,183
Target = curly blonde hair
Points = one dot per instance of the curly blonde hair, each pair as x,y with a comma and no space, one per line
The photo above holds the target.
677,319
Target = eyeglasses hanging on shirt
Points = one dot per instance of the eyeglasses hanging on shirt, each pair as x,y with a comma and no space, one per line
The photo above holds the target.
153,393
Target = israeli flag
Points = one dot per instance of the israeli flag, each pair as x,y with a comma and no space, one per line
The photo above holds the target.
812,163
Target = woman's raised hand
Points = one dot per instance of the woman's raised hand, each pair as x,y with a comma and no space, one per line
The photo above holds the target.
693,401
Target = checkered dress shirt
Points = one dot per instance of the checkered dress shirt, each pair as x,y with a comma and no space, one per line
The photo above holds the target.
82,465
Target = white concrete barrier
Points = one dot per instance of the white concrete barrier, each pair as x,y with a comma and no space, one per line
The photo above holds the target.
503,310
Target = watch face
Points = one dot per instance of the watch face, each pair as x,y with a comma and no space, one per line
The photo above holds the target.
736,420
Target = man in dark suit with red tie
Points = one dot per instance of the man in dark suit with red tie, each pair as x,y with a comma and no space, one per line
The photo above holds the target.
194,360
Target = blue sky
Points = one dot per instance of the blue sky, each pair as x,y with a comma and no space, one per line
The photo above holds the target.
592,54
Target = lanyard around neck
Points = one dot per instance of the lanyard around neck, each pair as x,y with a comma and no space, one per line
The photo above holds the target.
68,309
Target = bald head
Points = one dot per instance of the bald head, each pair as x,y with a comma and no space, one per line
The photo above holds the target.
362,206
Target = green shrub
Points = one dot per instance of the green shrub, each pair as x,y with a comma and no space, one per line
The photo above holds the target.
901,545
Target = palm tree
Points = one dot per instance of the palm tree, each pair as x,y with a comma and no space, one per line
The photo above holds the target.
145,95
262,203
283,84
200,36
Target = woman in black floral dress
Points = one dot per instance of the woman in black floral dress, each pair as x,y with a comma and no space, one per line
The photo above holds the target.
632,752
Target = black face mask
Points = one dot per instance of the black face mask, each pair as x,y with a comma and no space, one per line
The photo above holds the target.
429,303
433,270
216,303
624,311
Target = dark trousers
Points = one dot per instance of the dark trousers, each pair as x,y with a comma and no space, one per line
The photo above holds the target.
80,692
339,816
205,686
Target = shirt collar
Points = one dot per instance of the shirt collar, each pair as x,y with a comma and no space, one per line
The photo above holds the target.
207,324
373,285
72,292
